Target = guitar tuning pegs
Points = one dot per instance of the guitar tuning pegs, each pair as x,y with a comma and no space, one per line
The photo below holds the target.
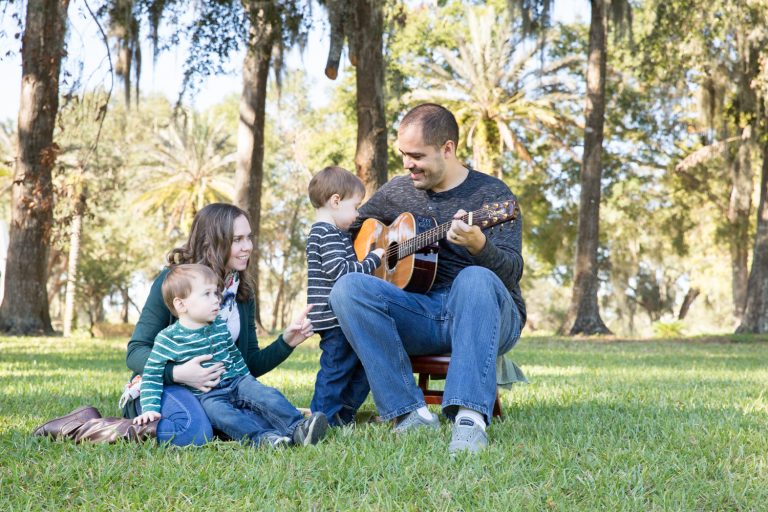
495,205
495,219
485,223
506,203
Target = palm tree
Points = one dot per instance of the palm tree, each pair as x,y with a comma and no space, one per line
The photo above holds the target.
124,30
217,29
491,91
189,167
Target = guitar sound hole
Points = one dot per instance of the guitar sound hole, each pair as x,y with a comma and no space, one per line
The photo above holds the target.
391,256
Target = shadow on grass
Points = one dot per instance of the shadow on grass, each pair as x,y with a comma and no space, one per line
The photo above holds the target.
587,423
700,338
590,354
299,361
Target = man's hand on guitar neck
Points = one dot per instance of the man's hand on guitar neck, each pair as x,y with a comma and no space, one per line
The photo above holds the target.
465,235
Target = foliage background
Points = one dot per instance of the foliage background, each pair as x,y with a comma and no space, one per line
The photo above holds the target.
662,231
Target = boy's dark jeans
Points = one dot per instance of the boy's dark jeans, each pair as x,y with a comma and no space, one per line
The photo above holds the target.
245,409
341,386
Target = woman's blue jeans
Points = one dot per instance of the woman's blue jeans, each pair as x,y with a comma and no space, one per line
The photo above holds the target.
183,421
475,320
243,407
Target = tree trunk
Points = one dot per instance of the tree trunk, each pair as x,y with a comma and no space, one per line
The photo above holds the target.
55,272
278,301
687,302
287,306
584,306
74,253
100,313
281,302
126,303
25,304
739,211
249,174
371,153
338,10
755,317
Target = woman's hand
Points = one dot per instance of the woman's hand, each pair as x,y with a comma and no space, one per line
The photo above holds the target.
194,375
299,330
146,418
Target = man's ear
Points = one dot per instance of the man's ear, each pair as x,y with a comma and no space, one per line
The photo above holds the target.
178,305
449,148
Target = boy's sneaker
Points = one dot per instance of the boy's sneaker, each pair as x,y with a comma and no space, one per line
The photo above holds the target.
131,391
310,430
414,421
275,441
467,435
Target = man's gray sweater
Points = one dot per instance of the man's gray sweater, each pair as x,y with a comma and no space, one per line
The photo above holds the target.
503,249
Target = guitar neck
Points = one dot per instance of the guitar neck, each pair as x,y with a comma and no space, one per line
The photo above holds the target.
430,236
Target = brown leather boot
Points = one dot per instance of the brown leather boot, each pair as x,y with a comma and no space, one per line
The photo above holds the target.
67,427
111,430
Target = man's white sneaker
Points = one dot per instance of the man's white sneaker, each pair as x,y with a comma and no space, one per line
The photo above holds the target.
414,421
467,435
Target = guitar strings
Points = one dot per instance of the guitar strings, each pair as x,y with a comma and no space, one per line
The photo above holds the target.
410,246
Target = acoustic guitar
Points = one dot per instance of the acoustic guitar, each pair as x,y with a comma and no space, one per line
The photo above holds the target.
410,243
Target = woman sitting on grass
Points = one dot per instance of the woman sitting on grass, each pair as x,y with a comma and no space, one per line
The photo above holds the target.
220,238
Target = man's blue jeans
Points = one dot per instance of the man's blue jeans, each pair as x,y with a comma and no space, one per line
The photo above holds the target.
341,385
475,320
245,410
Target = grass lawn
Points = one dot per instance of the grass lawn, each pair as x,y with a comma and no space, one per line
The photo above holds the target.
620,425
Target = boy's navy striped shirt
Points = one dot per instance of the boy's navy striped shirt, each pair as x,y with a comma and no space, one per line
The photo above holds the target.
330,255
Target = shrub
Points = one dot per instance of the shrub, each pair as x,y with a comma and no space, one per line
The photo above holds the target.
672,329
108,330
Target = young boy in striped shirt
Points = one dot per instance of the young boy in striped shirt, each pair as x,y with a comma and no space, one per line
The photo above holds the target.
239,406
341,386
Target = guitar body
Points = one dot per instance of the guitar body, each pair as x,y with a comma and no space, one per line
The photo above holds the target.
415,272
410,243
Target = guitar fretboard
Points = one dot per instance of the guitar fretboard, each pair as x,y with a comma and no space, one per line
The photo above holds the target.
434,235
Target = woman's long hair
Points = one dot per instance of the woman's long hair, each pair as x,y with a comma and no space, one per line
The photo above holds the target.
210,244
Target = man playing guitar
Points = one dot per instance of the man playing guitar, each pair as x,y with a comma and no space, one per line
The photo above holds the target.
474,309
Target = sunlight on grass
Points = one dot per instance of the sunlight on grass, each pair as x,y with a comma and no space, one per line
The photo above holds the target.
624,425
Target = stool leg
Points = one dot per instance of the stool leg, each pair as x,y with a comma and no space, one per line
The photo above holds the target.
497,405
424,382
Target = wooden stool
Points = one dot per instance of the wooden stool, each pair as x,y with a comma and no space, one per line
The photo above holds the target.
436,367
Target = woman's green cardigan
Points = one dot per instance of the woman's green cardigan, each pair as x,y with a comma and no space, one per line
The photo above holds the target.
156,316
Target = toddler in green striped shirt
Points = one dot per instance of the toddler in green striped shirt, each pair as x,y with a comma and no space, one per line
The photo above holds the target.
239,406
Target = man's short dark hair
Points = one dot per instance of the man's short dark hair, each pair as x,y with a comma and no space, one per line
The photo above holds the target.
438,125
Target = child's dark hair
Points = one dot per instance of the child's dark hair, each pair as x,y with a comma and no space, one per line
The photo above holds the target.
178,282
333,180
